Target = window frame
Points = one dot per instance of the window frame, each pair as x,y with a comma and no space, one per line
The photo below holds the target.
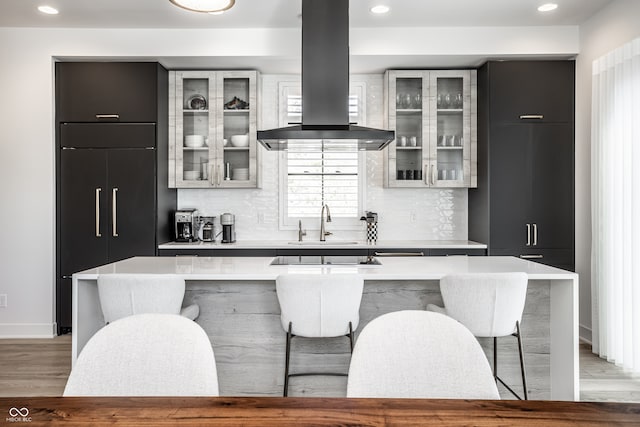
313,223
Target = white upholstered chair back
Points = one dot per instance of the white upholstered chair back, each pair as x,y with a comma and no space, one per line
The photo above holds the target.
419,354
319,305
489,304
127,294
146,355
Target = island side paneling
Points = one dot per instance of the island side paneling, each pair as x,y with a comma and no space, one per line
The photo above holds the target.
242,320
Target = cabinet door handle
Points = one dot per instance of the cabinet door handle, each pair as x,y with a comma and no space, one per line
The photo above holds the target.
114,212
528,234
98,190
383,254
531,117
434,171
531,256
218,177
535,234
212,175
107,116
426,174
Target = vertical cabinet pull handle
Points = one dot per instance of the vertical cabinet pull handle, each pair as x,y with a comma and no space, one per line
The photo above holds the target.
98,190
212,175
218,177
528,234
434,172
114,211
426,174
535,234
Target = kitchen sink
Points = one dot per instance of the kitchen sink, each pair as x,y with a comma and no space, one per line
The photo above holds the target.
327,243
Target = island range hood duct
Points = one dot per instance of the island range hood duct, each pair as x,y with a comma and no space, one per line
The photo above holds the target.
325,83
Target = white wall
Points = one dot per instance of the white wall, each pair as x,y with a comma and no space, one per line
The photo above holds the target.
610,28
403,214
27,187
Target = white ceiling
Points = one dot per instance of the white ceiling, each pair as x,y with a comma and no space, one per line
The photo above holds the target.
284,13
255,14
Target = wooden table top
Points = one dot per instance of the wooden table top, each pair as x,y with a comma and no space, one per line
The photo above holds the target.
277,411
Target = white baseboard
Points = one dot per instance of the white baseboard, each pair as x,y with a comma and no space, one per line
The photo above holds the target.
27,330
585,334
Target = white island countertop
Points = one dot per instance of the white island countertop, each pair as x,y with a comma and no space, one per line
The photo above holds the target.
240,277
392,268
329,244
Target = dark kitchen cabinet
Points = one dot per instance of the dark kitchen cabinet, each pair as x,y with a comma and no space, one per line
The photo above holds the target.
524,203
106,205
107,91
112,198
521,89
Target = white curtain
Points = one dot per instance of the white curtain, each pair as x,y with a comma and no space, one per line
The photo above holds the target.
615,187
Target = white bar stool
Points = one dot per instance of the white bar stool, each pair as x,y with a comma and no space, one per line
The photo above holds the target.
419,354
146,355
318,306
127,294
489,305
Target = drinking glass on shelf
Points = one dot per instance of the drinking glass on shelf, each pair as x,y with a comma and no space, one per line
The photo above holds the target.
439,101
458,100
417,101
406,100
398,100
447,101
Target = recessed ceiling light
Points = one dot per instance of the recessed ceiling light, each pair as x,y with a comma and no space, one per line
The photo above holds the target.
206,6
548,7
380,9
48,10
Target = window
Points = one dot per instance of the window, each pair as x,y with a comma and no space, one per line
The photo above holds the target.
319,172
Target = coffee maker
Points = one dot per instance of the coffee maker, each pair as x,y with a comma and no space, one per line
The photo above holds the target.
228,222
185,225
205,228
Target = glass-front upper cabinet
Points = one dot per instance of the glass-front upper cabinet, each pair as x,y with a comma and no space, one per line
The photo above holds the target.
212,129
406,158
434,116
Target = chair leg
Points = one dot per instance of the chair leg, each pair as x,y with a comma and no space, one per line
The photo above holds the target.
520,349
286,362
351,336
495,359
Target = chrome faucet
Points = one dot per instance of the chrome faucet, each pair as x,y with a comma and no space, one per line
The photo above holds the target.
324,233
301,232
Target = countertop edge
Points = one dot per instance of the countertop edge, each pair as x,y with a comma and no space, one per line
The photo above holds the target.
279,244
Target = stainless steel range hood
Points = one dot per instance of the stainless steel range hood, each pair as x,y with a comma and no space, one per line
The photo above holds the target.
325,83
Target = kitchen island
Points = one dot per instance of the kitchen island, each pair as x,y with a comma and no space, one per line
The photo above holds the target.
240,313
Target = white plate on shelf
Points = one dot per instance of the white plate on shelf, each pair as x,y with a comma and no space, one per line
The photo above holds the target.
191,175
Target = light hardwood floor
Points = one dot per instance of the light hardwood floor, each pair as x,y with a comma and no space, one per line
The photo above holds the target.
40,368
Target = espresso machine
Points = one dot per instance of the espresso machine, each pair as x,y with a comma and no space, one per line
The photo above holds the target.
185,225
228,223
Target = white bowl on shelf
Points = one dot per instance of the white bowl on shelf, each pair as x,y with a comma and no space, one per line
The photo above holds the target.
194,141
191,175
240,140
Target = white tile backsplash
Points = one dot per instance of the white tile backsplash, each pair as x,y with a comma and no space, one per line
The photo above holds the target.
403,213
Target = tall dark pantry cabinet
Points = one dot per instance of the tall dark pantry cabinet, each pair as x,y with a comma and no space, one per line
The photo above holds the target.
113,201
524,203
